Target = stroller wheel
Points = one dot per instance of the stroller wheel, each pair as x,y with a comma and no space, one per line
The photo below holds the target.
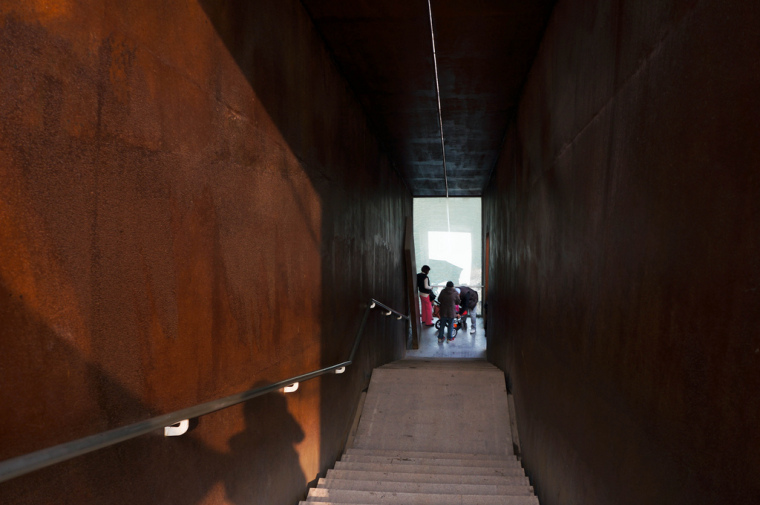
438,325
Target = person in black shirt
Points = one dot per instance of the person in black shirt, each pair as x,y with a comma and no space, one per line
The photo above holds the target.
423,285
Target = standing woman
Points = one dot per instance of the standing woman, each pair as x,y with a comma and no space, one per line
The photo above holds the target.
423,285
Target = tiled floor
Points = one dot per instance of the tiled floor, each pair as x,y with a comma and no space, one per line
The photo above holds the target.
466,345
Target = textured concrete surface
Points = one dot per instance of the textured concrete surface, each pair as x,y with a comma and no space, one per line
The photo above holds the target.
383,485
427,461
192,204
488,471
431,477
419,408
368,497
393,461
353,451
624,223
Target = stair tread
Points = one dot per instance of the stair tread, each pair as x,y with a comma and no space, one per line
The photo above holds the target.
370,497
419,439
476,364
433,375
427,454
426,487
443,470
498,463
405,476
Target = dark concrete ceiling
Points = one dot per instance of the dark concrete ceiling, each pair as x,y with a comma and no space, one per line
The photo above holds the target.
484,50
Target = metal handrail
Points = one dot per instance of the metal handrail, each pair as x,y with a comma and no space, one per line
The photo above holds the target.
374,302
15,467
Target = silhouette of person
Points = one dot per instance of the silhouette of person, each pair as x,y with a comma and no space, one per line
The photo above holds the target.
256,451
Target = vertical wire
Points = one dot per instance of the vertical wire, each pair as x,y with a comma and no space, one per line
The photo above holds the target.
448,219
438,96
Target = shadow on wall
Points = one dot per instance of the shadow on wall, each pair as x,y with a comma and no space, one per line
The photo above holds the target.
361,237
95,380
283,58
171,470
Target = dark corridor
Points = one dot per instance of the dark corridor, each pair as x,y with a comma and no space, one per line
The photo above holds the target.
200,196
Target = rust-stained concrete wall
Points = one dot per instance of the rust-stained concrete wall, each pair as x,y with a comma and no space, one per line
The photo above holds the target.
191,204
624,221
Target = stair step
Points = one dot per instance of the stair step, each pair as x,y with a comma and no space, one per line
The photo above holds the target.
422,440
370,497
428,477
438,364
425,487
423,454
422,376
443,470
495,463
431,432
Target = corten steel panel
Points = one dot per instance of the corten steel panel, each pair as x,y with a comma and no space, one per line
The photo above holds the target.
624,222
484,51
192,204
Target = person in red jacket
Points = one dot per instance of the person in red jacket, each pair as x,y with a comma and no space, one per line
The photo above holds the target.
469,301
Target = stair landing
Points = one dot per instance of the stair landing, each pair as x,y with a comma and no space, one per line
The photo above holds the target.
438,406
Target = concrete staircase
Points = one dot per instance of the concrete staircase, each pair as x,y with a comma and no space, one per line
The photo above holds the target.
430,432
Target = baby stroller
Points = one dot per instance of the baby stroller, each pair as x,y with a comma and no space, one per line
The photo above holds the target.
459,320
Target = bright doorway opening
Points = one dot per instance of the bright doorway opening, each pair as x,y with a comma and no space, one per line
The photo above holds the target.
448,238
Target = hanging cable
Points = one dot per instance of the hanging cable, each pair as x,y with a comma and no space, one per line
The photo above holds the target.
438,96
448,218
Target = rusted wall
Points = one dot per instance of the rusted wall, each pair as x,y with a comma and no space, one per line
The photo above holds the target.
624,221
191,204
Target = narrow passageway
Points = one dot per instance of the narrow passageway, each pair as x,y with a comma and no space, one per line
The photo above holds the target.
199,200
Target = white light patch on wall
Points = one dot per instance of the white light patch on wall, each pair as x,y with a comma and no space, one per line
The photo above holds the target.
454,247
